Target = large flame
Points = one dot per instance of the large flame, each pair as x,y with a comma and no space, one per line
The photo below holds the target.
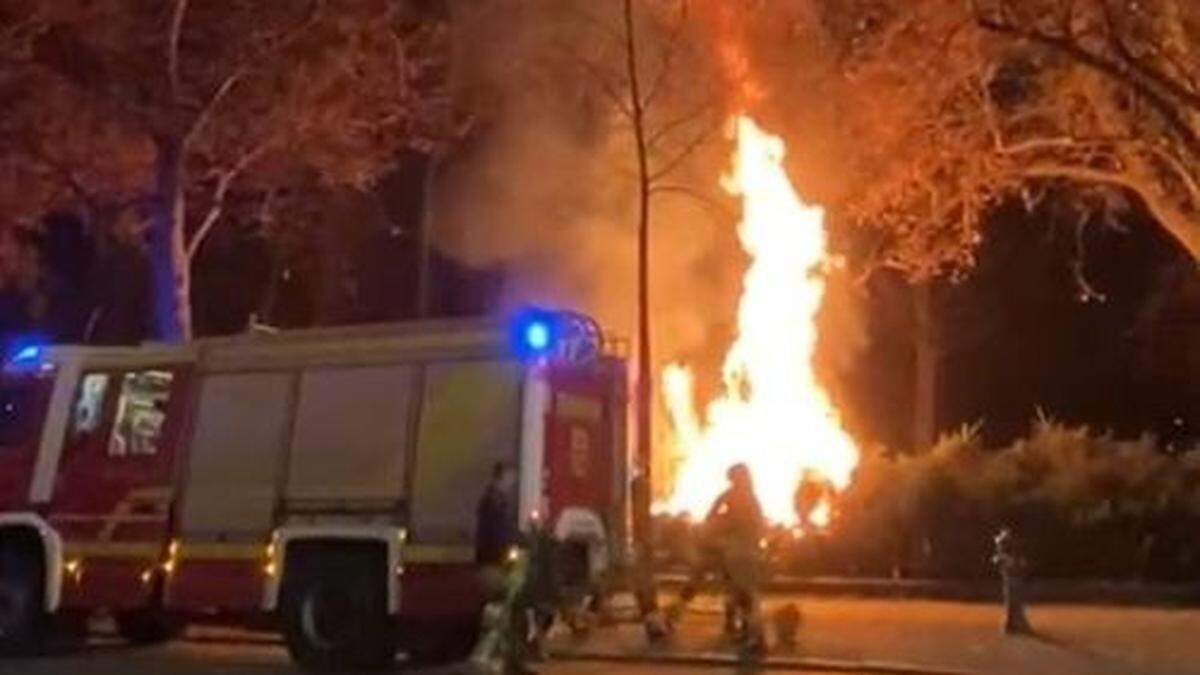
772,414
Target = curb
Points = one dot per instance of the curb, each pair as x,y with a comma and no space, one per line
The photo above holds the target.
719,660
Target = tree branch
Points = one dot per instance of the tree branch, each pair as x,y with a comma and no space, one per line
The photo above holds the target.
1170,162
274,43
688,149
615,97
173,48
64,173
703,198
206,112
595,22
1176,166
284,38
1040,144
1080,174
669,52
1087,290
1119,72
1159,78
224,182
1184,229
669,126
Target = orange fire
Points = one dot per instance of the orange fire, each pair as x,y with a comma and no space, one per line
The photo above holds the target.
772,414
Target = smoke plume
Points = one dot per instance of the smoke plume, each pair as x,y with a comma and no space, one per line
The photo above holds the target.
546,186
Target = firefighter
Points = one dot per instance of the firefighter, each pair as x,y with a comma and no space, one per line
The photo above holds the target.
496,517
505,568
502,647
730,542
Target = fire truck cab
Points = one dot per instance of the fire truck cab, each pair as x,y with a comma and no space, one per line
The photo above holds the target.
326,478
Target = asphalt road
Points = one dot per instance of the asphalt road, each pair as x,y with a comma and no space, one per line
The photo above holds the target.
914,634
242,654
953,636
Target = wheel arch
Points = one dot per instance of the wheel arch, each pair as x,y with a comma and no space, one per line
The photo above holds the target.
290,544
577,523
30,529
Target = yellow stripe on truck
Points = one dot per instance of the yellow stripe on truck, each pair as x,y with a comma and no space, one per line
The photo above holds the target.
112,549
424,553
221,551
414,553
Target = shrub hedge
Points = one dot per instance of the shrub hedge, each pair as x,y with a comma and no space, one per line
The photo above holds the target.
1083,505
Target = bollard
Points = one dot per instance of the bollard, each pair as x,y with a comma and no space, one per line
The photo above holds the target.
1008,560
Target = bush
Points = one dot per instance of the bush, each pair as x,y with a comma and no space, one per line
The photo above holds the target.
1082,504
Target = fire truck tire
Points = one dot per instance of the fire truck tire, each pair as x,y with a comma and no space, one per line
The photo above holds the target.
148,626
334,611
22,618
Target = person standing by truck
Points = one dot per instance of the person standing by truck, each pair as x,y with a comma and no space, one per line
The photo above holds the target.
505,568
496,517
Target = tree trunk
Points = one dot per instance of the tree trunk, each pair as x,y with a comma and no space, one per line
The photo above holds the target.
927,361
1167,279
170,269
424,304
270,297
645,389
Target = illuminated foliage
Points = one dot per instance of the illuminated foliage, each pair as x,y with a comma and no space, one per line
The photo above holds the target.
955,105
1085,504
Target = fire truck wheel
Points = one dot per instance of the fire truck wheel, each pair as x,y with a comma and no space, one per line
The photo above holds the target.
334,609
148,626
21,614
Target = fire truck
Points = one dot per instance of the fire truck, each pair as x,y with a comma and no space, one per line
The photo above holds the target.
325,480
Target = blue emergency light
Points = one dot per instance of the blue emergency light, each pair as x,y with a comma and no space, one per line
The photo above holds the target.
537,335
26,351
535,332
27,354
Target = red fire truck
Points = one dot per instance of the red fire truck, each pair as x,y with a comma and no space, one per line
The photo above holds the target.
326,479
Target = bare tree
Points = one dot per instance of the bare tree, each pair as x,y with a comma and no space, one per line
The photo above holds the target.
167,108
662,143
644,402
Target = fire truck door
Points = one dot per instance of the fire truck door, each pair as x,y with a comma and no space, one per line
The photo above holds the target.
579,467
113,491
